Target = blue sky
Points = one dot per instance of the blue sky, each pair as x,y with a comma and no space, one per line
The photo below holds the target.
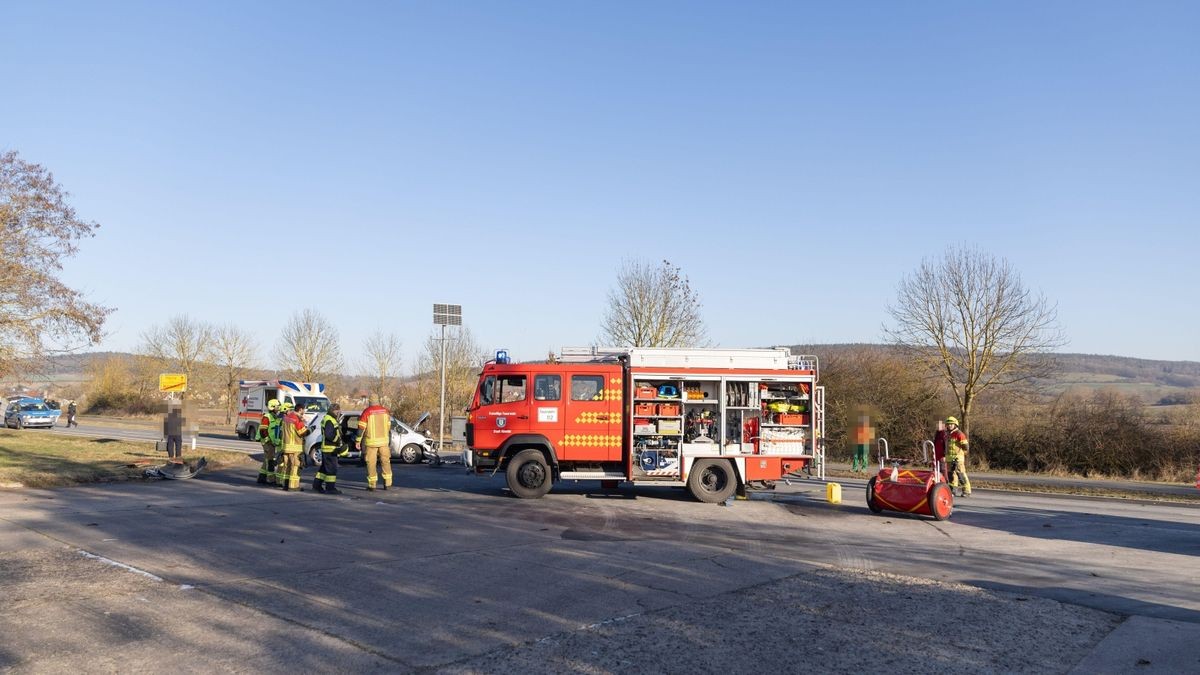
796,160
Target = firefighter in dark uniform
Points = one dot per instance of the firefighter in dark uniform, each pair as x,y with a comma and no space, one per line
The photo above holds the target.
331,445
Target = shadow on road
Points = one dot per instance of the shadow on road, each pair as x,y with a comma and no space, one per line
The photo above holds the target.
1136,533
1097,600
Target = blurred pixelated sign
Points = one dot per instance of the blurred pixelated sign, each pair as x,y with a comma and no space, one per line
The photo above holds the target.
172,382
447,315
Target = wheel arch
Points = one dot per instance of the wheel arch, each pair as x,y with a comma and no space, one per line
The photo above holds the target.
520,442
738,464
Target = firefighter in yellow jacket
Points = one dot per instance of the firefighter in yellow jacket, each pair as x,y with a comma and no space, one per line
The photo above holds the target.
292,433
375,425
268,427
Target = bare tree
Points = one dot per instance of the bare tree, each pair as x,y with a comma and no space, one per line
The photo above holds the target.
182,345
653,307
464,360
382,359
38,231
233,350
309,346
968,317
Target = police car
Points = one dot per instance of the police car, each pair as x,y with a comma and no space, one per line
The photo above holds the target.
30,412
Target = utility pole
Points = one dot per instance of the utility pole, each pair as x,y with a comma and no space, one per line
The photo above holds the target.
444,315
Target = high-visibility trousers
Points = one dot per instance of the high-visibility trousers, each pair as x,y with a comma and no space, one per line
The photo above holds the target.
329,466
958,473
287,472
268,464
382,454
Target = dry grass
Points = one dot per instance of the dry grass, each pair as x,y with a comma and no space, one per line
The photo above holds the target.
34,458
1013,486
1086,491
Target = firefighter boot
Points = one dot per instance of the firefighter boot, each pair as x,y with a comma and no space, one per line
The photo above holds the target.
331,489
318,485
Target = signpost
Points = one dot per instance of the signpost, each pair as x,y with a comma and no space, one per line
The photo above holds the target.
445,315
175,383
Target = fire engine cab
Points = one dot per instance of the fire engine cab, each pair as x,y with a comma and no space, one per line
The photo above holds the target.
713,420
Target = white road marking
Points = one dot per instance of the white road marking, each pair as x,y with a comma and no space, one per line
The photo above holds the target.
123,566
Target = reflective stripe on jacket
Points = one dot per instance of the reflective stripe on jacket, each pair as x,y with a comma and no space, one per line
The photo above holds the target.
293,433
264,426
273,428
376,425
956,443
331,433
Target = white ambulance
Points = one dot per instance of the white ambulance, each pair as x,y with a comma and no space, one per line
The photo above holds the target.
306,396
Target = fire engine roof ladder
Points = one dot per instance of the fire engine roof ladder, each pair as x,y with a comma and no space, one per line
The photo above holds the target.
775,358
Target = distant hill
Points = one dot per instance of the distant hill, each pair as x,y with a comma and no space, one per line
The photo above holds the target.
1153,380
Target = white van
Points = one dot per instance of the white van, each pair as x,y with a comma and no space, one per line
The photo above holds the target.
408,443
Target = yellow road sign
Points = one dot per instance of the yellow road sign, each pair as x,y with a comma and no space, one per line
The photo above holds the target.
172,382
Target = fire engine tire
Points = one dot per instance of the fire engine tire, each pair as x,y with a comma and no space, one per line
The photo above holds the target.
528,474
712,480
411,453
941,501
871,503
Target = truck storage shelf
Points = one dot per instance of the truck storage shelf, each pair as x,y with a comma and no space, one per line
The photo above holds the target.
660,417
741,407
657,433
659,400
786,426
709,401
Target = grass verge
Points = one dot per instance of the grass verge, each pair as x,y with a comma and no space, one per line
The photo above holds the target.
36,458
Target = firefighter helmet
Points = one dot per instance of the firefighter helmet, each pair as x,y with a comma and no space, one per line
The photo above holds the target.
273,404
952,420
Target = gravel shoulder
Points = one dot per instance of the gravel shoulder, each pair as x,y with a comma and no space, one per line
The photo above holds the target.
830,621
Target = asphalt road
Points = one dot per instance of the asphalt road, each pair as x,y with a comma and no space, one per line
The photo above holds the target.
134,433
447,571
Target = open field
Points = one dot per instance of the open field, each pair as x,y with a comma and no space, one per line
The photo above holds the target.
34,458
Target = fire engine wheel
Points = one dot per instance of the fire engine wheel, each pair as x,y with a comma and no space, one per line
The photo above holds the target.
871,503
411,453
941,501
712,480
528,474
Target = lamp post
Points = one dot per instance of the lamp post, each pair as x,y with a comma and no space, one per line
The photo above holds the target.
444,315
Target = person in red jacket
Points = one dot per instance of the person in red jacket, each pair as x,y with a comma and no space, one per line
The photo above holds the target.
292,433
956,458
375,427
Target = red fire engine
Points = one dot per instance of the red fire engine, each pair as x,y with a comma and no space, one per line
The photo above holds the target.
713,420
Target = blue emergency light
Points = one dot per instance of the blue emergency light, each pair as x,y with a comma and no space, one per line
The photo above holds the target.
502,356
